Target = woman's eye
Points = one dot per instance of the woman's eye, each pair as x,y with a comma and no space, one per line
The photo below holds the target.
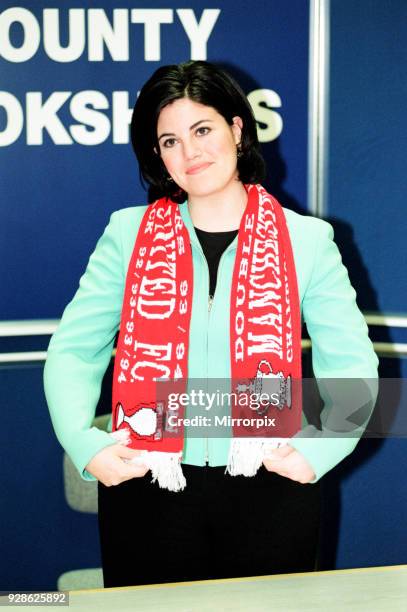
169,142
203,130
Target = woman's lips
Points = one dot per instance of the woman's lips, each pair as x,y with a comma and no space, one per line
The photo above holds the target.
198,168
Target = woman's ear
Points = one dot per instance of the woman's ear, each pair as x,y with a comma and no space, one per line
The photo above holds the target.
237,127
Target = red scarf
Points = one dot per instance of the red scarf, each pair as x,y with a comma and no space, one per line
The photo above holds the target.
265,338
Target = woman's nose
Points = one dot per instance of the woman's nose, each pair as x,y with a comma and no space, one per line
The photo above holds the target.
191,149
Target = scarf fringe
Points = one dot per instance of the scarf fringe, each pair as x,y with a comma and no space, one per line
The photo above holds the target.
246,454
165,467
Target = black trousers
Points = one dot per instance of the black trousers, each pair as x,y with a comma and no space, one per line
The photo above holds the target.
219,526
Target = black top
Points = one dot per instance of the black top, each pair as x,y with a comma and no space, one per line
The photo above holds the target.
213,244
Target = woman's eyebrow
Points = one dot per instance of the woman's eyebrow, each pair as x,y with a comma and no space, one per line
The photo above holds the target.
191,128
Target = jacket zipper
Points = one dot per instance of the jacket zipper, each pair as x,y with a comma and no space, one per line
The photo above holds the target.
210,300
210,303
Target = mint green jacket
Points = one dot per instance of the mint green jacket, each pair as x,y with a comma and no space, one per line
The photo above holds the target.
80,350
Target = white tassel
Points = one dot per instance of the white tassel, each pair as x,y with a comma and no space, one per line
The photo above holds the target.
246,454
165,467
245,457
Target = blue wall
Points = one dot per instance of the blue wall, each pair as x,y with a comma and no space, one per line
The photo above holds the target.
57,198
367,187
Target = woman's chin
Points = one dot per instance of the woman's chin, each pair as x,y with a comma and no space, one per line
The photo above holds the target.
205,188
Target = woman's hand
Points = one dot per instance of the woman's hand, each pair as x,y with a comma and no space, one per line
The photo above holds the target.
288,462
108,465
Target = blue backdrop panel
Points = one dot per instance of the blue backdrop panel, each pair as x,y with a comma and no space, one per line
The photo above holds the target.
58,193
367,147
41,536
57,197
366,494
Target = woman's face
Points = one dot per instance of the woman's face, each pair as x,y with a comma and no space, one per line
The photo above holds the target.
198,147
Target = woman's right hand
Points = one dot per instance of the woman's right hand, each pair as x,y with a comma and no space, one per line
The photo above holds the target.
108,465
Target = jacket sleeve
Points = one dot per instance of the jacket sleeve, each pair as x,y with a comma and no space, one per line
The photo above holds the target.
80,351
344,362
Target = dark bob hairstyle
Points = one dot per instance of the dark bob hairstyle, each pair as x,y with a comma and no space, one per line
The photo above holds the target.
201,82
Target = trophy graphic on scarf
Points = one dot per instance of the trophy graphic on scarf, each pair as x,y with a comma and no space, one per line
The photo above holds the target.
270,383
146,421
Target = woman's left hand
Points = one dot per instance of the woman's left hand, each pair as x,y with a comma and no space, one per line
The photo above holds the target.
288,462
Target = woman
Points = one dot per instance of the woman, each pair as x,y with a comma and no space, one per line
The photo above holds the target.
208,282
